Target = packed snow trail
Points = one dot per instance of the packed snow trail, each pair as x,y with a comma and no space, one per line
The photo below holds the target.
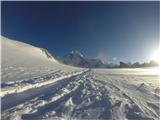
90,95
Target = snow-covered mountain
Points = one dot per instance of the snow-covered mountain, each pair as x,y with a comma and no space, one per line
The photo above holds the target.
75,58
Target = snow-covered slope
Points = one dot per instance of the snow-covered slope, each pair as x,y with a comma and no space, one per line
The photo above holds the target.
22,54
21,61
75,58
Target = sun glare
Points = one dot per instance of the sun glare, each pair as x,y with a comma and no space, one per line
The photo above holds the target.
156,55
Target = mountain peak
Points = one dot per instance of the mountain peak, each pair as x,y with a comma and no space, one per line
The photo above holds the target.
76,58
75,52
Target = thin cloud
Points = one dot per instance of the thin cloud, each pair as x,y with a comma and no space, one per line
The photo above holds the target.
102,57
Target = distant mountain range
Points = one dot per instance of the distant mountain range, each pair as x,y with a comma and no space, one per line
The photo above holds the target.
76,58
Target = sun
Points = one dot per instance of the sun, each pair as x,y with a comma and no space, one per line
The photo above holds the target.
156,55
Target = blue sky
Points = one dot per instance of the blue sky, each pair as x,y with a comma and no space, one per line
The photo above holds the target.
119,31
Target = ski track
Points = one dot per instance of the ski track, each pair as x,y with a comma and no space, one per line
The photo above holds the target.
83,96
